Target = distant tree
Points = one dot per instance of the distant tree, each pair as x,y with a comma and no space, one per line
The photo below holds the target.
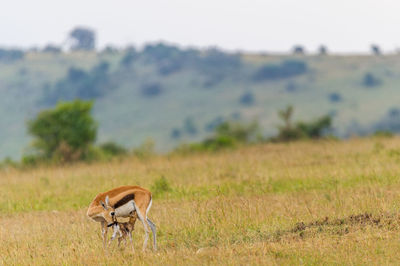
369,80
51,48
298,49
129,57
322,50
10,55
79,83
65,132
247,99
215,65
335,97
84,39
170,66
109,49
151,89
375,49
286,69
218,59
159,52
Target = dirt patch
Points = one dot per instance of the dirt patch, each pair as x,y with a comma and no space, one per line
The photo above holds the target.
354,219
338,226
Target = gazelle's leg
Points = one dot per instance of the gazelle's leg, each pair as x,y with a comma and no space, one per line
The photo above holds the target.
104,230
154,231
141,213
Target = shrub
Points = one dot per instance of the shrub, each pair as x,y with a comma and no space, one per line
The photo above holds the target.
8,163
31,160
160,186
113,149
383,134
226,135
208,145
302,130
145,150
219,142
240,132
316,128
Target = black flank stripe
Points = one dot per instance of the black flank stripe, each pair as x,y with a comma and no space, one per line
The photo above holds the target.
124,200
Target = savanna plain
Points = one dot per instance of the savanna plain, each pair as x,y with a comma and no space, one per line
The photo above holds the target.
324,202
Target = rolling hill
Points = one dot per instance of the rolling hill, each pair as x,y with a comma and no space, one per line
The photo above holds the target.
175,95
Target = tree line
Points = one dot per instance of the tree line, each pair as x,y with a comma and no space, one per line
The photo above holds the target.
67,133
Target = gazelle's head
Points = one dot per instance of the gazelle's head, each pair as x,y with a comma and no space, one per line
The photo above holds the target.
108,213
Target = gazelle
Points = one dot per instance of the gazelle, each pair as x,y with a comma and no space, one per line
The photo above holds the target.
122,202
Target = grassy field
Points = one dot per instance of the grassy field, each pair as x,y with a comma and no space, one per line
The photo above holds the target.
325,202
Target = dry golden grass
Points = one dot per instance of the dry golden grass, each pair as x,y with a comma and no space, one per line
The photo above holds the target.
268,204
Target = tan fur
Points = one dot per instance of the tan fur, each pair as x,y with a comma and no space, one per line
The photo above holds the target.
142,197
126,230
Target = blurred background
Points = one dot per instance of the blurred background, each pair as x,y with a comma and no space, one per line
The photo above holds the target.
165,73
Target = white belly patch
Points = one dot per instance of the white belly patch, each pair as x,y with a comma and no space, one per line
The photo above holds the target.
125,210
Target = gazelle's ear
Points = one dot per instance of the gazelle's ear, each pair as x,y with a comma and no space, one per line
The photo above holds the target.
107,201
102,204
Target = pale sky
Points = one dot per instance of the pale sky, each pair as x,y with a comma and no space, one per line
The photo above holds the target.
250,25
